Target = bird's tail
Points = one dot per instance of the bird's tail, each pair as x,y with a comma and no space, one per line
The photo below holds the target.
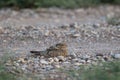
35,51
38,53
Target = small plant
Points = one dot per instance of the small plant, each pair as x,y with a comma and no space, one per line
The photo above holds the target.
8,75
4,75
114,20
108,71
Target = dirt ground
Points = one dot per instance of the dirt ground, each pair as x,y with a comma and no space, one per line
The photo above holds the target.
28,29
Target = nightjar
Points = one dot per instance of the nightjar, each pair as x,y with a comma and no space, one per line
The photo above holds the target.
59,49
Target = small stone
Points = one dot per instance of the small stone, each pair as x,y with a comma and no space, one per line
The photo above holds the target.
85,57
65,26
94,63
57,66
61,58
75,35
89,61
70,57
66,63
26,59
99,57
77,64
42,61
21,60
94,59
82,61
24,67
36,65
29,61
116,56
56,59
1,30
8,64
74,25
29,68
75,60
96,25
4,40
17,64
106,58
51,60
47,33
49,67
42,57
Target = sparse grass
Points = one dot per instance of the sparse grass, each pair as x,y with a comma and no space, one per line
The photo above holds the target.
4,75
108,71
114,20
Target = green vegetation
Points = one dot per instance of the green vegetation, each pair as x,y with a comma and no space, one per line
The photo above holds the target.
103,71
108,71
4,75
114,20
54,3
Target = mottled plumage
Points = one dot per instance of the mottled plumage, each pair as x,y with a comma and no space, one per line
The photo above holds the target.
59,49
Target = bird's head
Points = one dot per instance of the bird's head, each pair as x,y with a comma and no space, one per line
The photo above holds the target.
61,46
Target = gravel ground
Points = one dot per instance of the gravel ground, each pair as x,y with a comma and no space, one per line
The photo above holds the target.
86,32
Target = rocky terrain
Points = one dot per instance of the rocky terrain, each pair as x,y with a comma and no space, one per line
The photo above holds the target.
89,36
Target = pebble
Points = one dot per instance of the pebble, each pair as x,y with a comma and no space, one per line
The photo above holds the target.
24,67
61,58
116,56
77,64
8,64
56,59
82,61
75,60
85,57
1,30
36,66
106,58
49,67
21,60
17,64
76,35
66,64
74,25
89,61
65,26
94,63
97,25
42,61
47,33
51,60
57,66
70,57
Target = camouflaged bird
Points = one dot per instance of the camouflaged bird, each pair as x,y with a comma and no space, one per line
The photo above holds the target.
59,49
